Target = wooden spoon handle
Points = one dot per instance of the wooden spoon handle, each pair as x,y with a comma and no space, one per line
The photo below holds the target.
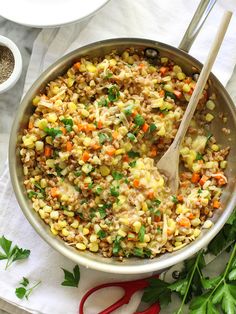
202,79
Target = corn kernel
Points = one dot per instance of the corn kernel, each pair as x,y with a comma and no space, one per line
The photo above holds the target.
47,209
144,206
54,215
207,224
62,224
178,243
210,105
43,183
42,213
215,147
112,62
70,82
91,68
80,246
120,151
50,163
52,117
181,76
72,106
168,88
164,60
122,233
186,88
196,232
36,100
162,131
85,113
195,222
137,226
105,171
93,238
68,213
54,231
39,145
209,117
223,164
85,231
42,124
93,247
65,232
177,69
146,238
124,221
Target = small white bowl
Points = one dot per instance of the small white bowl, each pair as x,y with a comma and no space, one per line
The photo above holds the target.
15,75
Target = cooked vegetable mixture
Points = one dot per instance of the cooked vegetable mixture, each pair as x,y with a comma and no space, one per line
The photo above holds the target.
89,156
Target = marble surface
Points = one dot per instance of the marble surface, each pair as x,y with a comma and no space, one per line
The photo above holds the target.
24,38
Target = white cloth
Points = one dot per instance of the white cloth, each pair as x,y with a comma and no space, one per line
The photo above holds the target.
161,20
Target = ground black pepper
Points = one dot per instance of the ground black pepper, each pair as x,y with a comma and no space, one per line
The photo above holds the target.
7,63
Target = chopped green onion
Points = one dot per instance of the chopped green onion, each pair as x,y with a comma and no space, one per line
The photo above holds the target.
131,136
113,93
139,120
152,127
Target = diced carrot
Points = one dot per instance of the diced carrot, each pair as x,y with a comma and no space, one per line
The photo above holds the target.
69,146
180,198
157,218
90,127
111,151
141,65
161,93
153,152
85,156
188,80
134,114
169,232
76,66
184,222
96,146
221,181
63,130
30,125
115,134
54,191
77,218
195,177
177,93
203,180
136,183
191,216
216,204
145,127
150,195
81,127
126,158
47,151
218,176
163,70
99,124
161,115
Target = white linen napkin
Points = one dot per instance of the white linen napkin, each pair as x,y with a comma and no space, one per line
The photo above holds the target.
162,20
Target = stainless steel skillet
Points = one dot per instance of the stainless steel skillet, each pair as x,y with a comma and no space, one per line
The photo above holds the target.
190,65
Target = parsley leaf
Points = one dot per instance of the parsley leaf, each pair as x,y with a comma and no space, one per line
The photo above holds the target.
141,234
133,154
132,164
11,254
169,94
23,292
139,120
68,124
71,279
114,191
152,127
116,245
199,156
101,234
113,93
53,132
103,138
103,102
102,212
157,290
131,136
117,175
128,110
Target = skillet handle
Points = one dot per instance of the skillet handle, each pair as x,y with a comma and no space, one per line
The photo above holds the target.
202,12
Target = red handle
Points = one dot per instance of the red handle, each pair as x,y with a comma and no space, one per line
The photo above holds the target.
129,287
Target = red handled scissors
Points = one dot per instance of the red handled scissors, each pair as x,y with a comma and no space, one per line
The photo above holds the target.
129,287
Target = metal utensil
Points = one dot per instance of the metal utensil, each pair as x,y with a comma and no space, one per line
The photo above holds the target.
190,65
169,162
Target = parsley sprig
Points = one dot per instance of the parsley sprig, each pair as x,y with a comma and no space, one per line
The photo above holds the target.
71,279
203,295
23,291
11,254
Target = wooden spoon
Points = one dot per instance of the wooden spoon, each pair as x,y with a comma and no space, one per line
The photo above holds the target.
169,163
